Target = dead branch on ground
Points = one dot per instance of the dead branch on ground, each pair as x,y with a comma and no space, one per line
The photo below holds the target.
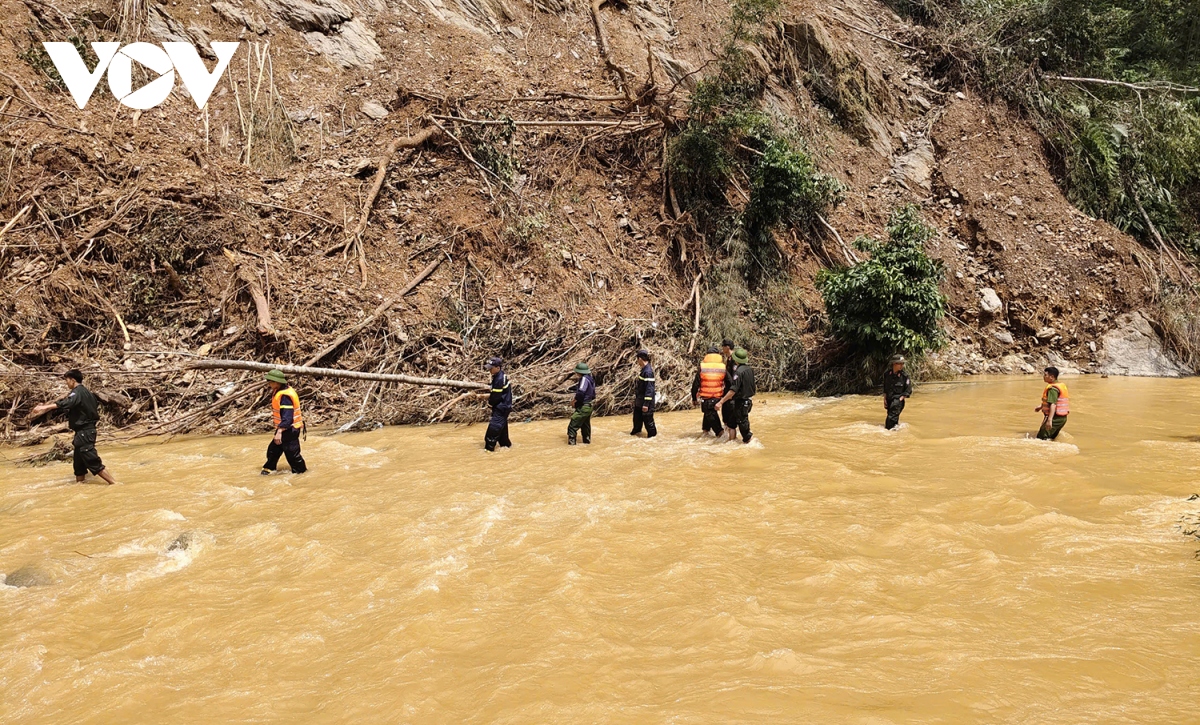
256,292
334,373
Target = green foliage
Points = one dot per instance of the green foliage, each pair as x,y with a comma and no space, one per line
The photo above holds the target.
1118,148
38,59
489,144
891,302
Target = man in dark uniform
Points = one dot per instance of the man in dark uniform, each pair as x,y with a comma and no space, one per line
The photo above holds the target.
500,398
643,396
897,388
740,395
728,414
82,415
585,394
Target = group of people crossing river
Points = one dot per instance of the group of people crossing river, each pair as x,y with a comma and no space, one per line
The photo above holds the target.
723,387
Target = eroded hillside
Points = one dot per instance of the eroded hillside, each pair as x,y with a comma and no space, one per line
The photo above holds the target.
532,141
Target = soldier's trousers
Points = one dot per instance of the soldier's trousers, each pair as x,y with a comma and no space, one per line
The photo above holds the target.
646,419
712,418
1056,427
497,431
581,422
895,407
290,447
85,457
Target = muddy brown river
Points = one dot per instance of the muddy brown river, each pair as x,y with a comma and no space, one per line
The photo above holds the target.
951,571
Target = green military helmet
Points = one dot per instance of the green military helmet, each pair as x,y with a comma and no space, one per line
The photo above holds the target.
583,369
740,356
276,376
897,359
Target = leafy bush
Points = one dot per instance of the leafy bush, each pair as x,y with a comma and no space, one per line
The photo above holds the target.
891,302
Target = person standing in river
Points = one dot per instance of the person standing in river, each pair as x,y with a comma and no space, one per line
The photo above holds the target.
643,396
726,410
83,413
740,396
1055,407
707,388
500,399
289,423
897,388
585,394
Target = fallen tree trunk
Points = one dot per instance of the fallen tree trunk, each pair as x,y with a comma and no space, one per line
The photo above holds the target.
332,373
387,304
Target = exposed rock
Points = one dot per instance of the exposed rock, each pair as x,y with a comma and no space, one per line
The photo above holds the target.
1046,333
351,45
166,28
1134,348
240,16
1003,336
310,16
915,168
183,542
28,576
990,303
481,16
374,110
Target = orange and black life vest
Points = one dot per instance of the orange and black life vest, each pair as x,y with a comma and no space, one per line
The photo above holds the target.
277,406
1062,406
712,376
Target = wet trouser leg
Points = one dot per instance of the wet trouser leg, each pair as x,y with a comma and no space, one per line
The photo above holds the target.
712,419
729,415
1056,427
85,457
895,407
288,447
581,421
743,412
646,419
497,431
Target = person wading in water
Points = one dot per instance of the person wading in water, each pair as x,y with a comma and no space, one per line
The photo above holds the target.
285,410
1055,407
500,398
897,388
643,396
82,415
707,389
740,395
585,394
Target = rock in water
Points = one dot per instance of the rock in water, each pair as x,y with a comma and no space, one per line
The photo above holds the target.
28,576
183,542
1134,348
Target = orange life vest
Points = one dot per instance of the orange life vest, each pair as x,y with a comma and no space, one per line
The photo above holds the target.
1062,406
297,419
712,376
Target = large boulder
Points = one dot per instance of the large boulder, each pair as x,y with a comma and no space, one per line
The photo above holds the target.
1134,348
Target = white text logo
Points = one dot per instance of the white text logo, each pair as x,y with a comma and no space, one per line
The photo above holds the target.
171,58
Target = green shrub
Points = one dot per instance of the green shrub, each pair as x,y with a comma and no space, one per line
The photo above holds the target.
891,302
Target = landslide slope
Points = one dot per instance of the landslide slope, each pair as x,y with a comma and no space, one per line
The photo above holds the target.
139,235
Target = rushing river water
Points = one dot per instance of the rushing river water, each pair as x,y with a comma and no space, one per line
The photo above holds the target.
951,571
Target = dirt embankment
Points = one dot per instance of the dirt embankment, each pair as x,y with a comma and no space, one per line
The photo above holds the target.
140,235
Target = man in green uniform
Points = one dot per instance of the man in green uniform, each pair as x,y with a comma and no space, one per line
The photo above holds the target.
897,388
1055,407
740,396
585,394
82,415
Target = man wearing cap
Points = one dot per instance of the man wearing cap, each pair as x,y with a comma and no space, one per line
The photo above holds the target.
740,395
707,388
285,410
500,398
897,387
585,393
643,396
82,415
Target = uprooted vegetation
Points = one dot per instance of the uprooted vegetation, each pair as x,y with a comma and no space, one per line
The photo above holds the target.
543,189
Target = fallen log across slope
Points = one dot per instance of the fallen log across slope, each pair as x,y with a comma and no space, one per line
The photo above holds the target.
334,373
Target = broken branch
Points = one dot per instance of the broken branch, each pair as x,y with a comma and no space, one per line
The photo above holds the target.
333,373
261,306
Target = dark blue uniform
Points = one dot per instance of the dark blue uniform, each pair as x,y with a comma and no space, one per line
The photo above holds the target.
82,415
501,402
643,396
